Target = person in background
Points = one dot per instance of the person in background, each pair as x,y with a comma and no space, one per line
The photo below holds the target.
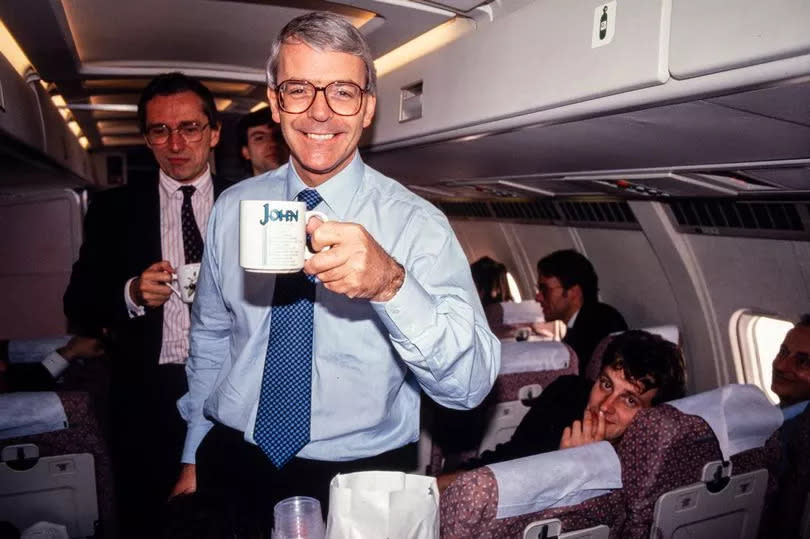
135,238
639,370
42,375
489,277
791,367
568,290
261,142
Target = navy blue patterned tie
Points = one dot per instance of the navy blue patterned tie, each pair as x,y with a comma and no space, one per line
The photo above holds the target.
282,419
192,240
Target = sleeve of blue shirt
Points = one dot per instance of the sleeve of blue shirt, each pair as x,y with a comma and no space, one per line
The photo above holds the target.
435,321
208,346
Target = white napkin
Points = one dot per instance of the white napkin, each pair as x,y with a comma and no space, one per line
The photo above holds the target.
525,312
26,413
556,479
530,356
45,530
741,416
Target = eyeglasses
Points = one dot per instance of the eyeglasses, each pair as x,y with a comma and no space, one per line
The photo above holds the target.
544,289
160,133
343,98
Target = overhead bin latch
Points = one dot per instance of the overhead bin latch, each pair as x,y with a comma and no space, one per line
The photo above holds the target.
410,102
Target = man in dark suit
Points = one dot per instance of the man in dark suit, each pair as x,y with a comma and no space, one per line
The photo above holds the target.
567,290
135,238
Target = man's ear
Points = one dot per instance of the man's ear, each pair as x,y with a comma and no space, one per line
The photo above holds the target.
272,100
245,154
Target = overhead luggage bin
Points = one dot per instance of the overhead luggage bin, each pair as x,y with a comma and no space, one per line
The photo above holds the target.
709,36
542,56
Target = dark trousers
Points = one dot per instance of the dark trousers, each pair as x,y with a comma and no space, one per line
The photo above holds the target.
229,466
148,435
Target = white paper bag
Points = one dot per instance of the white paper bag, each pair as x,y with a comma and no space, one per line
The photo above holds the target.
377,505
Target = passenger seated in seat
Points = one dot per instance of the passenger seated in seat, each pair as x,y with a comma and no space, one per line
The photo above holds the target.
791,367
567,290
489,277
639,370
42,375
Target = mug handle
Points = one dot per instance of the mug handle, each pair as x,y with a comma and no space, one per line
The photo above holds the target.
322,216
175,290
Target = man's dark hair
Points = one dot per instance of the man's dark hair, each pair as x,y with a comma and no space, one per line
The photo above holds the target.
804,321
259,117
177,83
571,268
649,360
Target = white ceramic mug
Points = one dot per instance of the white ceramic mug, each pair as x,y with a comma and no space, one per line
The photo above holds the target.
186,281
272,235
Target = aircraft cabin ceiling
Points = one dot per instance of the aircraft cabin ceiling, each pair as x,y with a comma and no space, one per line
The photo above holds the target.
745,132
98,53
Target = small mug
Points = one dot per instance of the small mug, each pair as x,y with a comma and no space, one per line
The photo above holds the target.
273,236
186,279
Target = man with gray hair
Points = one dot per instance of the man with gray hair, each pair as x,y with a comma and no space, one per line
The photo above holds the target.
294,378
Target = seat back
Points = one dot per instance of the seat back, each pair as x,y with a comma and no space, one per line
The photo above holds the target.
59,489
500,500
669,332
526,369
552,529
665,450
712,510
83,435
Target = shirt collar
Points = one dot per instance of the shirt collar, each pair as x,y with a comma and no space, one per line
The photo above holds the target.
573,319
337,192
170,186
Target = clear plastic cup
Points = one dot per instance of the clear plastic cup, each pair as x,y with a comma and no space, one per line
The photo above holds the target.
298,517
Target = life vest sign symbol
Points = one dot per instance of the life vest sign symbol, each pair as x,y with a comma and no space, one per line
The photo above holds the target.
604,24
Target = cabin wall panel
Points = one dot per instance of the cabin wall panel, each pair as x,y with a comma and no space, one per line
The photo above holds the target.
761,274
42,239
630,276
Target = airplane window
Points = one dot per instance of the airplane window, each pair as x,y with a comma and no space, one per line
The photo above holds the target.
757,342
513,287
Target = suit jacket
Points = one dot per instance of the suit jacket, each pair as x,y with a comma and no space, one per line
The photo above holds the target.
121,239
593,323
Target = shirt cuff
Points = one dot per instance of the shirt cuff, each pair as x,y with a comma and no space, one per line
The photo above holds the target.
194,437
133,309
55,364
406,314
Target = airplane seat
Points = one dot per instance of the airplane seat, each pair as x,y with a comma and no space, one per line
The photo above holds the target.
791,514
698,465
82,436
527,368
669,332
510,499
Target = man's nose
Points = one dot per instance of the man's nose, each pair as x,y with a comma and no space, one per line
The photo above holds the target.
320,110
176,141
608,404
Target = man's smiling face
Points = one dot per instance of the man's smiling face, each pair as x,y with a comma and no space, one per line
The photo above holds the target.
321,142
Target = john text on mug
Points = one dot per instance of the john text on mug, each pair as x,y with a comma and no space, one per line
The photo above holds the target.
272,235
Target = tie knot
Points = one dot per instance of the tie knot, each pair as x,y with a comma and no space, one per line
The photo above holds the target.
310,197
188,190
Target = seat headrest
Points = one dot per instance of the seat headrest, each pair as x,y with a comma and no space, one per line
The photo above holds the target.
555,479
741,416
530,356
26,413
526,312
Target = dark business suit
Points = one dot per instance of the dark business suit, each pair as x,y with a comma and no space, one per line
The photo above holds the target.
594,322
122,238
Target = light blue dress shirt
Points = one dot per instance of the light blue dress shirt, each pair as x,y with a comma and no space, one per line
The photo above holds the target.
369,359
